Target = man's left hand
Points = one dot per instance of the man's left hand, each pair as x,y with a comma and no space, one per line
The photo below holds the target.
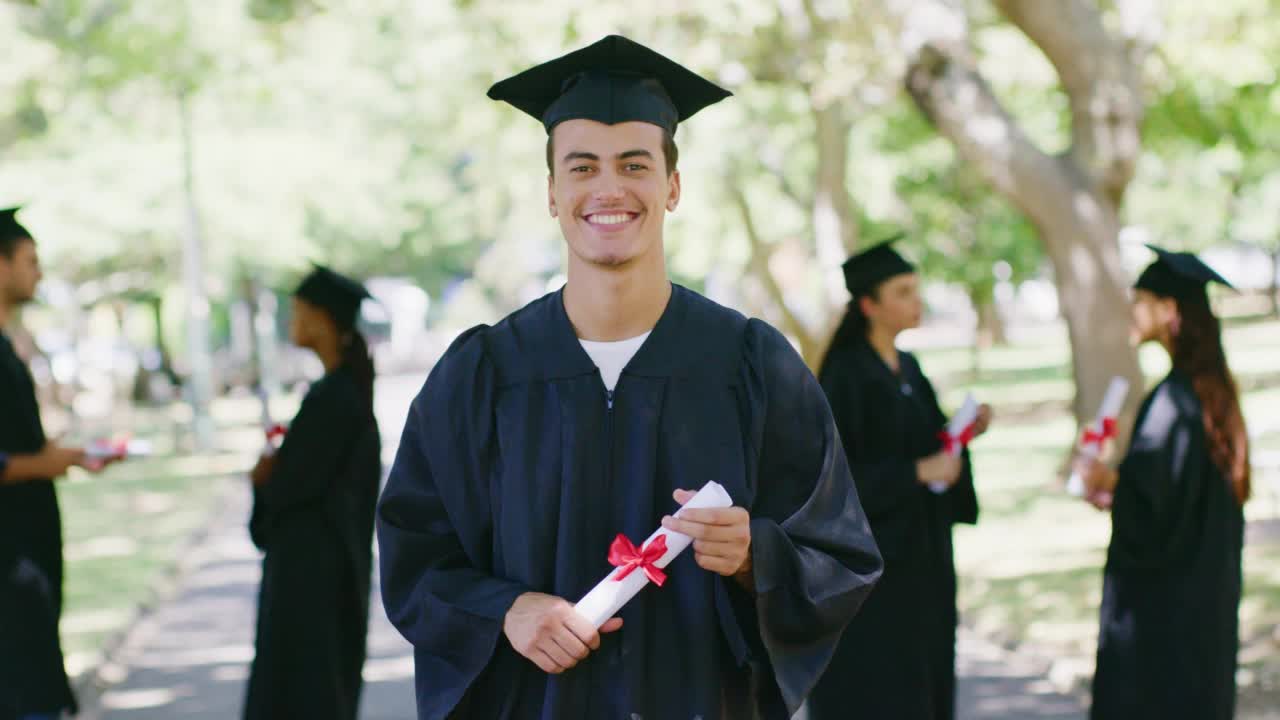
261,472
983,421
721,536
1099,481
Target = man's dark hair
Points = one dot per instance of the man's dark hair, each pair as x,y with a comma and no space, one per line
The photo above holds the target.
11,236
670,153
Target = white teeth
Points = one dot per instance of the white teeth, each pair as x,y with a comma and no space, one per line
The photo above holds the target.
610,219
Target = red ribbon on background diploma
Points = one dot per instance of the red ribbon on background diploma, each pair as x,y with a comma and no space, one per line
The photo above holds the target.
623,554
950,443
117,449
275,431
1096,439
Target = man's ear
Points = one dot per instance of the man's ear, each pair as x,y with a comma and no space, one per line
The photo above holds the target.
1169,314
551,195
673,196
866,304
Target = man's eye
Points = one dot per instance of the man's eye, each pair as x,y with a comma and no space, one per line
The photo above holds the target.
581,169
636,167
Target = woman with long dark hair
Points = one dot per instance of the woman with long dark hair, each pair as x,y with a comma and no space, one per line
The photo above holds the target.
313,511
1168,630
897,658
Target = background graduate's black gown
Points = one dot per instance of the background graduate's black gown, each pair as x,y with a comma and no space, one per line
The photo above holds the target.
1168,629
896,660
32,678
314,520
517,469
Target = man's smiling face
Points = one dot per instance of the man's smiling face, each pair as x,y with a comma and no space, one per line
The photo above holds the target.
610,190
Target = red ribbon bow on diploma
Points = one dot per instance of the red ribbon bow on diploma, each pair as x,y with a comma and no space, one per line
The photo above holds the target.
275,431
623,554
1091,437
951,443
116,449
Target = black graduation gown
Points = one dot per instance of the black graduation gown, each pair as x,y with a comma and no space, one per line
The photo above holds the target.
1168,629
517,469
32,676
314,520
897,658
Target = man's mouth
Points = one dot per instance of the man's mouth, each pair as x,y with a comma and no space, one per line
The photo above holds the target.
610,220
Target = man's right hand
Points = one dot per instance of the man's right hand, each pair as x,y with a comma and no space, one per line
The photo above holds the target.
56,459
50,463
549,632
941,467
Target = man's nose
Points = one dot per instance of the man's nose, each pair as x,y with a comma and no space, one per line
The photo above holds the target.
608,188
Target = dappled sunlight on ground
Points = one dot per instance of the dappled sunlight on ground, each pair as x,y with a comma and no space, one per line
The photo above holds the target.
190,658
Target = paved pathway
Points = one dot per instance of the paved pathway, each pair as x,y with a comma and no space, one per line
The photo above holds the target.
190,658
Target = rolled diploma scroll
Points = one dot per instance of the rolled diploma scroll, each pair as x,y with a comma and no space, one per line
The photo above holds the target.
964,417
117,449
270,430
607,598
1111,404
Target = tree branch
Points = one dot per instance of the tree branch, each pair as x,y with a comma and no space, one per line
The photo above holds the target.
787,187
1100,78
759,265
831,200
962,107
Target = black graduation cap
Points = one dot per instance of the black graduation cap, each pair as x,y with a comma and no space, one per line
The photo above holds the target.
338,294
612,81
1177,274
10,228
864,271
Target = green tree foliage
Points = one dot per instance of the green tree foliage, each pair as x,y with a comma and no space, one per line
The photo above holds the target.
357,133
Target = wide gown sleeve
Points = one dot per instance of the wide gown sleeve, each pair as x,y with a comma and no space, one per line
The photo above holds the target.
435,530
318,442
321,434
1154,513
962,497
885,484
813,556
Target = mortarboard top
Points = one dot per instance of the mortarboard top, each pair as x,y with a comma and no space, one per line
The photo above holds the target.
1177,274
339,295
612,81
10,228
864,271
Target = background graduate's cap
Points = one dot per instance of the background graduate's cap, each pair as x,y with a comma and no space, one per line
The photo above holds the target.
612,81
338,294
10,228
864,271
1177,275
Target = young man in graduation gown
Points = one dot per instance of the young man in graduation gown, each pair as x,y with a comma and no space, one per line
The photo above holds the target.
590,413
33,682
898,656
1168,631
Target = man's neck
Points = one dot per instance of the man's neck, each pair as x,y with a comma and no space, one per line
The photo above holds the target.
6,312
882,341
612,305
330,354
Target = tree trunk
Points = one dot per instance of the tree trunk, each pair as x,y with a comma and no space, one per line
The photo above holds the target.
1094,303
1275,282
758,265
991,324
1073,199
835,222
199,363
162,345
991,330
